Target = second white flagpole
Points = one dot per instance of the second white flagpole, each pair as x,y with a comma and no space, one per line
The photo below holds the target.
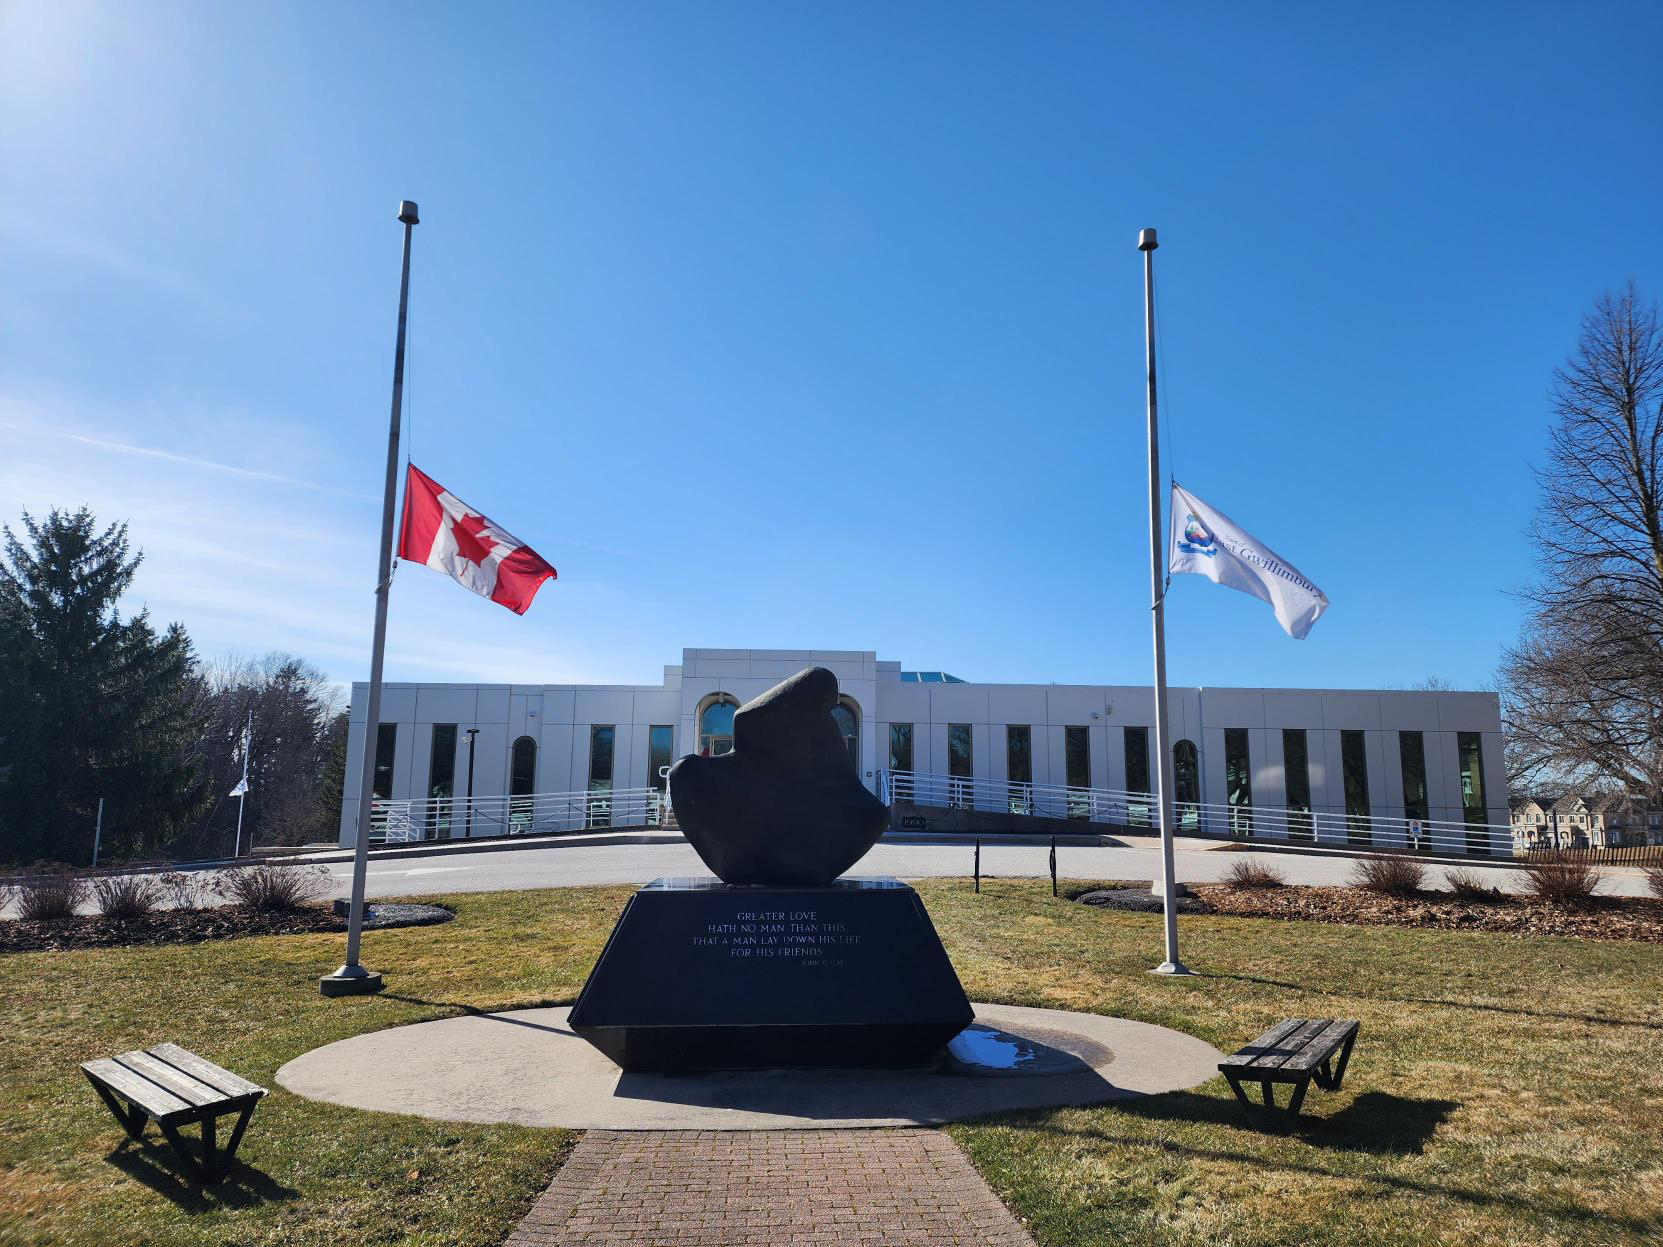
1157,593
352,979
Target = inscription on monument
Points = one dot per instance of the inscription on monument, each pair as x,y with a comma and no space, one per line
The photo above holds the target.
798,936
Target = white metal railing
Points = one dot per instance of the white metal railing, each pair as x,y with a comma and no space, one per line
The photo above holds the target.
1137,811
443,818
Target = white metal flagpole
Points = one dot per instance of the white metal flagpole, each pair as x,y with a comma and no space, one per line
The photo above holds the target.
1157,594
352,979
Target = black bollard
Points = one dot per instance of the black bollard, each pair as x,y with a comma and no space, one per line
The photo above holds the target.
978,865
1053,865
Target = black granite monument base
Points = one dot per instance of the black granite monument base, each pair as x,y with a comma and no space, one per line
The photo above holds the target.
699,975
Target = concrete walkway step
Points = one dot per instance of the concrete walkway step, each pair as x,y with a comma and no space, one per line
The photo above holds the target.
765,1188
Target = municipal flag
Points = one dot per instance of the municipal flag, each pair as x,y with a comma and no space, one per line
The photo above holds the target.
1209,543
239,790
441,531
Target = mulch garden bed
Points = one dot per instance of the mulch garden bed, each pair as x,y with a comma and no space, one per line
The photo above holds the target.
1602,918
192,926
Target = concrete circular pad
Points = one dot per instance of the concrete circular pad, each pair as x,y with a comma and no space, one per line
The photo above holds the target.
528,1068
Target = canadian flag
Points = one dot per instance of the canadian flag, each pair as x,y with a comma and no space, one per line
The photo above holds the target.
446,534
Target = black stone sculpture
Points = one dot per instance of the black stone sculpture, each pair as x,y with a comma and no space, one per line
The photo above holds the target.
786,807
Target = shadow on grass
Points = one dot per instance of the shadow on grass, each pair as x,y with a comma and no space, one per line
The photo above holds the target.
243,1186
1593,1019
1344,1131
1374,1122
474,1011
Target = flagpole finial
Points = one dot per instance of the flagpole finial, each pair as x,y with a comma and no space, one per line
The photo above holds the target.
1146,239
407,213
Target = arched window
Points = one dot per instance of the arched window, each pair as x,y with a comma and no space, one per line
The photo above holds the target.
522,782
716,726
847,717
1186,783
522,776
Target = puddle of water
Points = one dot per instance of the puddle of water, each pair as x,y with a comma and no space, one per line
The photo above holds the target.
981,1047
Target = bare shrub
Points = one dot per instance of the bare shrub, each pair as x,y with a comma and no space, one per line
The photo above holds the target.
273,887
1560,879
1390,875
1246,873
1654,880
50,897
126,898
179,890
1469,885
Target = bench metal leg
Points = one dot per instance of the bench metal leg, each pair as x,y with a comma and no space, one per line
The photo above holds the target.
1270,1109
1331,1072
196,1169
236,1139
131,1117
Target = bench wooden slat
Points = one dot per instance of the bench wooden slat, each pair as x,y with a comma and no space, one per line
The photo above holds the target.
205,1071
165,1076
1320,1047
1266,1042
155,1100
1290,1046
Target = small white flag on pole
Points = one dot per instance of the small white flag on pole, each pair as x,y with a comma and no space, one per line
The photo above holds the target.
1211,544
239,790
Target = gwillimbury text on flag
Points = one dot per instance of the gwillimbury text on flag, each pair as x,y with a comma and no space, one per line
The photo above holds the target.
1209,543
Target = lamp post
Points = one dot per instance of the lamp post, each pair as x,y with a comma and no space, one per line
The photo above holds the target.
472,733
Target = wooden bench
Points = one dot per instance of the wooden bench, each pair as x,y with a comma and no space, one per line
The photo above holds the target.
176,1088
1295,1052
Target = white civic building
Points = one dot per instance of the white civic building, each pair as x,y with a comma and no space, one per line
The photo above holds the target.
1386,768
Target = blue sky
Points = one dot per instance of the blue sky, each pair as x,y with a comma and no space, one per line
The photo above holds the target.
787,325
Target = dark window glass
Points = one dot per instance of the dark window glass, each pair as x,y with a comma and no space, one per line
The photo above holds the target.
386,742
1019,767
1411,753
1135,741
1355,767
1186,784
1076,754
1470,748
960,764
848,727
900,746
1238,781
603,739
522,779
1296,774
1019,753
441,778
659,738
716,727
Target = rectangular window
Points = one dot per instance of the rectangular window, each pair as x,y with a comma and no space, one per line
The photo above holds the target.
1076,753
602,737
441,779
900,747
1470,748
659,738
1238,781
960,763
1019,766
1135,741
386,742
1296,778
1411,753
1354,763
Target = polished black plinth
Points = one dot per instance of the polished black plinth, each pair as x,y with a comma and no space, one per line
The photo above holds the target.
699,975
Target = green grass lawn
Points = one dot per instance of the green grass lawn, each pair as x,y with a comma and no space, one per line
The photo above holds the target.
1504,1090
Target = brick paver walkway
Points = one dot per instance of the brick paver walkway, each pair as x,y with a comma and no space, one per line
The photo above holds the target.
768,1188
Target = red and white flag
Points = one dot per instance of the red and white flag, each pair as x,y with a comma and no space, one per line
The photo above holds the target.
446,534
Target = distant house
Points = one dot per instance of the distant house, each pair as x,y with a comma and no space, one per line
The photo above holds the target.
1577,822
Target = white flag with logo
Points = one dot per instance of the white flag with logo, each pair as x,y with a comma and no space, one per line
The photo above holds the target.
1211,544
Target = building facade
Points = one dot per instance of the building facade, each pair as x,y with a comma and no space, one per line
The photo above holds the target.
1543,823
1385,762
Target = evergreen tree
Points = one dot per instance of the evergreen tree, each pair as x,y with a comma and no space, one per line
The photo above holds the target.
91,705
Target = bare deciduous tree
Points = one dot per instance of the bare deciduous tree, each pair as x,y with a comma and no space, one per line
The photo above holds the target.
1583,694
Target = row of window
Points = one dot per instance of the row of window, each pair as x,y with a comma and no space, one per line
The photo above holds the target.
716,738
